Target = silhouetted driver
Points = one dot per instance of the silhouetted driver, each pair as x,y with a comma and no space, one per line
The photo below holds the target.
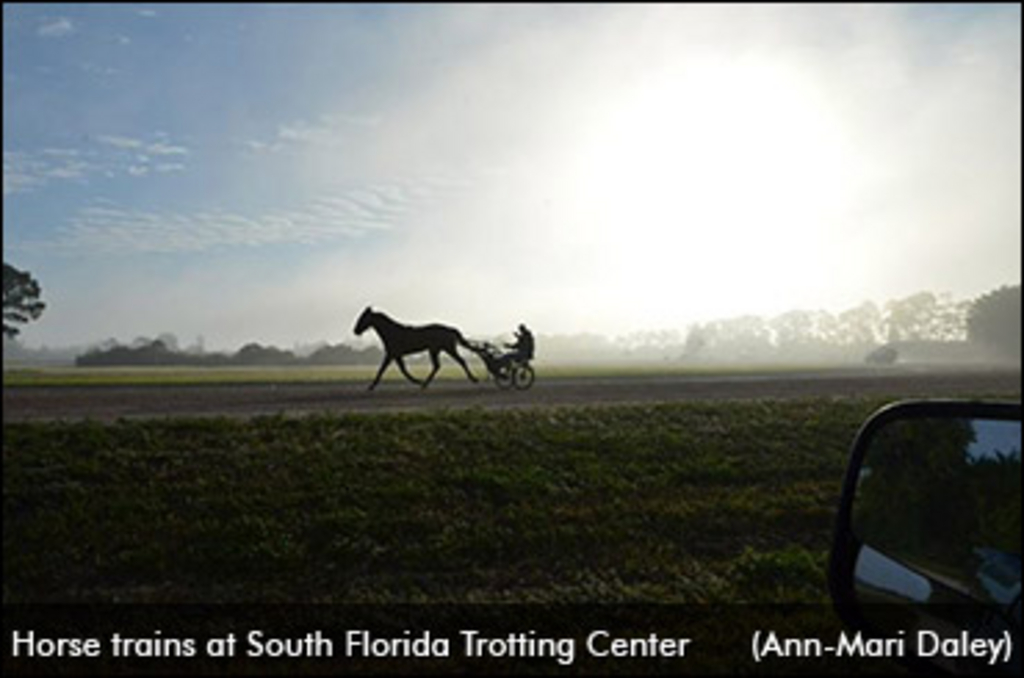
522,350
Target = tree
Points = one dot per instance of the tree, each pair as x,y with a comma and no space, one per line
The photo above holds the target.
914,500
794,329
950,320
697,337
21,299
860,326
909,319
994,322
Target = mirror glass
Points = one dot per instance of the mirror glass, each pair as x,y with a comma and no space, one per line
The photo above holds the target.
937,511
943,498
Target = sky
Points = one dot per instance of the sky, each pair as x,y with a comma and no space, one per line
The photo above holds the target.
264,172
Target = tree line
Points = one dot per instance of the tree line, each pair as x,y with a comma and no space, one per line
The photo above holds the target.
924,326
158,352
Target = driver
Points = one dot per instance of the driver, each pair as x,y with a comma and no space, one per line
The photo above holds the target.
522,350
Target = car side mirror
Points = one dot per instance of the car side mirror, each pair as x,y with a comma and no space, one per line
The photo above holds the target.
927,543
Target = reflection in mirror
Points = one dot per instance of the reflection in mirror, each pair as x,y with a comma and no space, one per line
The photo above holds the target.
937,513
942,498
884,580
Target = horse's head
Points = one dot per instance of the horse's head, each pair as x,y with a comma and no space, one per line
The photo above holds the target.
365,321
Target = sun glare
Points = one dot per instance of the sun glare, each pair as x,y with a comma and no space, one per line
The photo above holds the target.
707,177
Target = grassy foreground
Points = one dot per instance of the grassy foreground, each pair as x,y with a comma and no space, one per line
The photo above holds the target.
698,502
198,376
181,376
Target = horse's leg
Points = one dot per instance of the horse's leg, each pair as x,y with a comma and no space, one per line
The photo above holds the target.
458,358
380,372
401,366
437,366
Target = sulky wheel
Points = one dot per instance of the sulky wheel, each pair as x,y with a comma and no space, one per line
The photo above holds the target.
522,377
504,377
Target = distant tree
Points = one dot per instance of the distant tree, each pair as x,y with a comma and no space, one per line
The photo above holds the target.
909,319
697,337
170,340
994,322
21,299
827,329
255,354
343,354
745,337
794,329
949,323
145,351
151,352
925,317
198,347
860,325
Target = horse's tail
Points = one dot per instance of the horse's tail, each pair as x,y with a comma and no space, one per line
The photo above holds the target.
464,342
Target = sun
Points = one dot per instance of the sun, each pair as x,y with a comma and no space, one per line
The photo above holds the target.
717,177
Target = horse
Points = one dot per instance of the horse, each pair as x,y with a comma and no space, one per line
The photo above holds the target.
401,340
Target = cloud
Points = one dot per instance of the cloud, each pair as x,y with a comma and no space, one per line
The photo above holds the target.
109,228
120,142
111,156
326,131
20,174
24,172
71,169
130,144
56,28
160,148
97,70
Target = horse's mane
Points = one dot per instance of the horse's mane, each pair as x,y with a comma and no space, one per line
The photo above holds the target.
388,320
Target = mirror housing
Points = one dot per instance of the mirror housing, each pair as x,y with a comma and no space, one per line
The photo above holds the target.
927,536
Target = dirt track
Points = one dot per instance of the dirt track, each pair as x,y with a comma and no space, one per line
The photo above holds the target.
106,403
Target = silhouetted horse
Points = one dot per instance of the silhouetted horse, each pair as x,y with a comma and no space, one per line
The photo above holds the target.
401,340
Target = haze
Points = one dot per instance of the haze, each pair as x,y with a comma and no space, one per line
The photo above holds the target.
264,172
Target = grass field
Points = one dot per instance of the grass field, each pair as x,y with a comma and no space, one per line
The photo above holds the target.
715,502
166,376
